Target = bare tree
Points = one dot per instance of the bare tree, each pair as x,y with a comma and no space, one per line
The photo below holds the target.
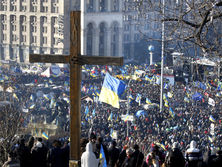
188,23
10,124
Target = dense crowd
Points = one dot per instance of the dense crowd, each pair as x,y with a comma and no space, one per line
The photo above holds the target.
185,117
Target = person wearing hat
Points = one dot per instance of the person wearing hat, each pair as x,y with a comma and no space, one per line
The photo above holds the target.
128,162
113,154
174,157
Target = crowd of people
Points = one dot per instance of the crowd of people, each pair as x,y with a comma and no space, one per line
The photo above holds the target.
188,115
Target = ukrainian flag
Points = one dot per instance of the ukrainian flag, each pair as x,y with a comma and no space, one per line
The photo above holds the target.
102,155
212,119
148,101
86,110
166,104
111,90
32,106
172,112
110,117
44,135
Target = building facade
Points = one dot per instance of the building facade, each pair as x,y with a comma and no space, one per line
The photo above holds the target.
33,26
102,27
43,26
109,28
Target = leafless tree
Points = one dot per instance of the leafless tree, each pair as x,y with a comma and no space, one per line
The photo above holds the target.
10,124
188,23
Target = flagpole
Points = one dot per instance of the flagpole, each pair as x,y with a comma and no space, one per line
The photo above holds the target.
162,57
128,106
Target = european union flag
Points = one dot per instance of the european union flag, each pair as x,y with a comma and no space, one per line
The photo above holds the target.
111,90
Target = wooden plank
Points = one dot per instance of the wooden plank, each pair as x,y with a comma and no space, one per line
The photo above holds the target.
34,58
102,60
75,87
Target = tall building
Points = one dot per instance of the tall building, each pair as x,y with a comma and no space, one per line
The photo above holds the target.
33,26
102,27
42,27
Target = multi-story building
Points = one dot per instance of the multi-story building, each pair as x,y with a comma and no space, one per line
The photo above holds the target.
102,27
109,28
33,26
42,27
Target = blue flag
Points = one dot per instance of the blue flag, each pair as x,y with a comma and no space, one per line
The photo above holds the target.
102,155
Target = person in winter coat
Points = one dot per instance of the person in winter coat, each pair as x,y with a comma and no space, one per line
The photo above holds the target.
193,155
137,156
23,154
153,159
113,154
39,154
129,161
88,158
122,156
175,157
55,155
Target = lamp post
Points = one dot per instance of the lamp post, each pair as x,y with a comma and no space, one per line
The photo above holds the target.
151,49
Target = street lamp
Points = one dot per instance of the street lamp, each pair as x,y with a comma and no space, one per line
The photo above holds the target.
151,49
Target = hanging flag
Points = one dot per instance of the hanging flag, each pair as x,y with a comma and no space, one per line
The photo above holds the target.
102,155
111,90
212,119
44,135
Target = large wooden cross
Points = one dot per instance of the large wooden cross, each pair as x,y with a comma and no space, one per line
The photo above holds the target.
76,60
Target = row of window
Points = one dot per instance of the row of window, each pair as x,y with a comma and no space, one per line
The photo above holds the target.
103,5
138,27
14,38
33,6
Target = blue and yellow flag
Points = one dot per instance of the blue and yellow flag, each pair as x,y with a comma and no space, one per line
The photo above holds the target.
111,90
148,101
102,155
44,135
86,110
110,116
172,112
138,98
212,119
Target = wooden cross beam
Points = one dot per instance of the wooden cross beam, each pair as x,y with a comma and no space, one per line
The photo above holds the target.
76,60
